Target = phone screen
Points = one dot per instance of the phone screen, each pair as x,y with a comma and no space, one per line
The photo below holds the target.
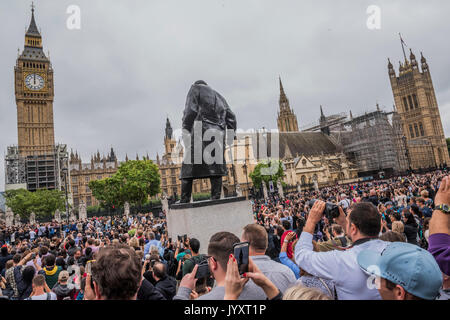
241,254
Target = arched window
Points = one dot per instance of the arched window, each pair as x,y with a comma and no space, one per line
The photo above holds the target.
416,103
411,132
405,103
411,106
303,180
422,132
416,129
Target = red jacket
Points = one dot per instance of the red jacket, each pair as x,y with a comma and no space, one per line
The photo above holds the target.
289,251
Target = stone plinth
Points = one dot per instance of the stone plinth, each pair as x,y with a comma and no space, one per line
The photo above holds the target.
202,219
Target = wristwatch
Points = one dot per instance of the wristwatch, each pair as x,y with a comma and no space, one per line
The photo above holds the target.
445,208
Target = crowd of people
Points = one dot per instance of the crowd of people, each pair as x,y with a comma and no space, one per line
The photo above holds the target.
383,239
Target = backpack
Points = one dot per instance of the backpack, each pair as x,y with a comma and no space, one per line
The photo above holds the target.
343,241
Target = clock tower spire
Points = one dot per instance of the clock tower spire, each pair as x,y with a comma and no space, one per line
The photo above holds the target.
34,95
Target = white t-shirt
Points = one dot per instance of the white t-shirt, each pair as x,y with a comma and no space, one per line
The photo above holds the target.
345,203
44,297
401,200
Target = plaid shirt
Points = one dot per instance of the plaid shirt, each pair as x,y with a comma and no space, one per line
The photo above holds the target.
11,279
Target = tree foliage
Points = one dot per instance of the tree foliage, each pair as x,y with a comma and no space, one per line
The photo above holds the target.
43,202
134,182
269,170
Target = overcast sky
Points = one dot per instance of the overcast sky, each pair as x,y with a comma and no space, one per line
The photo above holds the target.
132,62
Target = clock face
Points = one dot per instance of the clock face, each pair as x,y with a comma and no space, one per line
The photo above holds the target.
34,82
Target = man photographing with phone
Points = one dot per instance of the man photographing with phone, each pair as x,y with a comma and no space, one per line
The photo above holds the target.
362,226
220,248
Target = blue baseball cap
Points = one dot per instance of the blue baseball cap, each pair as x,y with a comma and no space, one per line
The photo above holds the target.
407,265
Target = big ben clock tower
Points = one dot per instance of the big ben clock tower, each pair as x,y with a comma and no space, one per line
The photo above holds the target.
36,162
34,96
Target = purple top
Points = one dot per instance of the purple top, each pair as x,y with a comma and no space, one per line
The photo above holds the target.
439,247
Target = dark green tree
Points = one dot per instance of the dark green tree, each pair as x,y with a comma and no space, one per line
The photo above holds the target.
269,170
134,182
43,202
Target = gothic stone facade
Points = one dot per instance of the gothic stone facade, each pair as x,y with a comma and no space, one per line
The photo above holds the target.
416,103
82,173
34,96
287,120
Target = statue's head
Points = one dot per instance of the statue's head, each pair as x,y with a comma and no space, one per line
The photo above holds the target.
201,82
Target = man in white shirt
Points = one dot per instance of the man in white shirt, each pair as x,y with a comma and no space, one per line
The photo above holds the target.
362,226
41,230
32,235
40,289
344,203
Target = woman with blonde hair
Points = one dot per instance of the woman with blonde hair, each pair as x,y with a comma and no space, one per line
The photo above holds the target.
392,236
134,243
397,226
426,197
300,292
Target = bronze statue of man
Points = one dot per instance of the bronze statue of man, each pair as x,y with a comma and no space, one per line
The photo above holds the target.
207,117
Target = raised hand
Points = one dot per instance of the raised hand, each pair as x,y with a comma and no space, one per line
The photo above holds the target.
189,279
89,293
443,194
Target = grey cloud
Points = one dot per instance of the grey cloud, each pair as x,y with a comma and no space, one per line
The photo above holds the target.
132,63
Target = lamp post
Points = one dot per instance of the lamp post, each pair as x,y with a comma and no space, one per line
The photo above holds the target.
233,170
434,156
65,171
244,166
406,152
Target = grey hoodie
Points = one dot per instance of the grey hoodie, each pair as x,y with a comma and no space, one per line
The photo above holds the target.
63,290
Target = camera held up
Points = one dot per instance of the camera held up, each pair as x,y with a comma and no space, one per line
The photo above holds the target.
331,210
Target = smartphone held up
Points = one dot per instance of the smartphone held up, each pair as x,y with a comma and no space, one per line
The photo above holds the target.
241,254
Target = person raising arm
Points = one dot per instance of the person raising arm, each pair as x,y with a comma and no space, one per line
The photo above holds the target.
362,226
439,239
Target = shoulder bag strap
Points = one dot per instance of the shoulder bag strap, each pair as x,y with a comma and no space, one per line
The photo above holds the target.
325,285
